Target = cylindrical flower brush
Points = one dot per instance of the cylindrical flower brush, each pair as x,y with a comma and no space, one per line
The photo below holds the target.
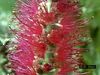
48,39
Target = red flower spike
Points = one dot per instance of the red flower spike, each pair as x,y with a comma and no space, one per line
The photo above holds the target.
48,37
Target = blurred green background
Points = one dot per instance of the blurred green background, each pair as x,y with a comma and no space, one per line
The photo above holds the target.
91,10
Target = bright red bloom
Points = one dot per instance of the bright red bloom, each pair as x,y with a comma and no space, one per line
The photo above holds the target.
47,40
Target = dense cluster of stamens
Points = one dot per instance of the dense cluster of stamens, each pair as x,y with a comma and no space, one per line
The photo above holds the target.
48,36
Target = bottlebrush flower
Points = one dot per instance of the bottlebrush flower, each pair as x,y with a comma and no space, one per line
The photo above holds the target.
47,37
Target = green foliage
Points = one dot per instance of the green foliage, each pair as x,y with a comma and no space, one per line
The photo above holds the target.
7,5
91,9
5,17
